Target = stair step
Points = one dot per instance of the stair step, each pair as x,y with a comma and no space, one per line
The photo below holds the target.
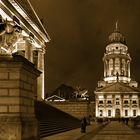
55,132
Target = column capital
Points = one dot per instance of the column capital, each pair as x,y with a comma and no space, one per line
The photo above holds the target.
28,38
42,50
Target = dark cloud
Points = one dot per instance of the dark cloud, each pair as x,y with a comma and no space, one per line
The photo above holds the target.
79,32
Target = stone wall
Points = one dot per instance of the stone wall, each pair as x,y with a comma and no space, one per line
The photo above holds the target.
18,78
78,109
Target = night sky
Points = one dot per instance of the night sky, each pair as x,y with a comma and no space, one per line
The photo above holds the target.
79,31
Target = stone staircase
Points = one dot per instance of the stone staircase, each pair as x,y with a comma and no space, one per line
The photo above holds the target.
52,120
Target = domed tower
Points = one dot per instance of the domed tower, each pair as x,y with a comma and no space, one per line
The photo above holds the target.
117,94
116,59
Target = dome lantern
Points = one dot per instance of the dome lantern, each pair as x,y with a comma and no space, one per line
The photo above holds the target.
116,36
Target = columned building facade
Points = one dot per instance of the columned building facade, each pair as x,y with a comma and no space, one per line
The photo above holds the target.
117,95
21,32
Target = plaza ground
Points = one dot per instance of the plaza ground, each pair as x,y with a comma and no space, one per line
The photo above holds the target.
113,130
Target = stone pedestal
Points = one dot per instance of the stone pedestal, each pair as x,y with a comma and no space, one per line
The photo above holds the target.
18,78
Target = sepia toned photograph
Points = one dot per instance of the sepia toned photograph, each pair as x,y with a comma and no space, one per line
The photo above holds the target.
69,70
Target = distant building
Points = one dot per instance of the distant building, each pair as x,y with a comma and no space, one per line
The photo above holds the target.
22,32
117,95
55,98
69,93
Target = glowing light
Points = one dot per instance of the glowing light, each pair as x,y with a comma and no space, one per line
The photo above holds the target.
100,96
43,87
114,78
56,100
135,96
5,50
4,15
24,33
109,96
36,44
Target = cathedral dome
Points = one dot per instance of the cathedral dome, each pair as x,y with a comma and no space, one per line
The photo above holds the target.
117,37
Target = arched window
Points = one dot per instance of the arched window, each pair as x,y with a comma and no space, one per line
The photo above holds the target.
126,112
123,64
117,63
109,112
109,102
101,102
125,102
134,102
134,112
111,67
101,112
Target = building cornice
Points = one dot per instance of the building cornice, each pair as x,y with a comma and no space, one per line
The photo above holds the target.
25,21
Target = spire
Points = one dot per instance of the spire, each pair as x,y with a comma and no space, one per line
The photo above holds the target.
116,26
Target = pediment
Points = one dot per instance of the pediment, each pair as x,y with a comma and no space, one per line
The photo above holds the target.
118,88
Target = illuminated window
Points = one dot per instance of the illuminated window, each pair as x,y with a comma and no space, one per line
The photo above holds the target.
117,103
134,112
109,112
122,72
100,102
123,64
125,102
101,112
109,102
117,63
111,64
134,102
126,112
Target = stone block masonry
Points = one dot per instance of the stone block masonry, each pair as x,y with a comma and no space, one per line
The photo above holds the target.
77,109
18,78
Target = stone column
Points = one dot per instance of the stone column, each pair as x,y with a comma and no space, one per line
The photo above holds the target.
28,48
107,65
138,105
129,69
40,81
96,109
122,113
125,68
17,83
130,106
113,106
105,68
105,109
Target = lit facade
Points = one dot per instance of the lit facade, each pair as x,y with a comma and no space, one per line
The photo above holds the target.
117,95
22,32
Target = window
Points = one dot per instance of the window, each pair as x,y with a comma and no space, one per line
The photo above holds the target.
126,112
111,64
100,102
123,64
109,102
117,98
117,63
125,102
101,112
122,72
117,103
134,102
109,112
134,112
